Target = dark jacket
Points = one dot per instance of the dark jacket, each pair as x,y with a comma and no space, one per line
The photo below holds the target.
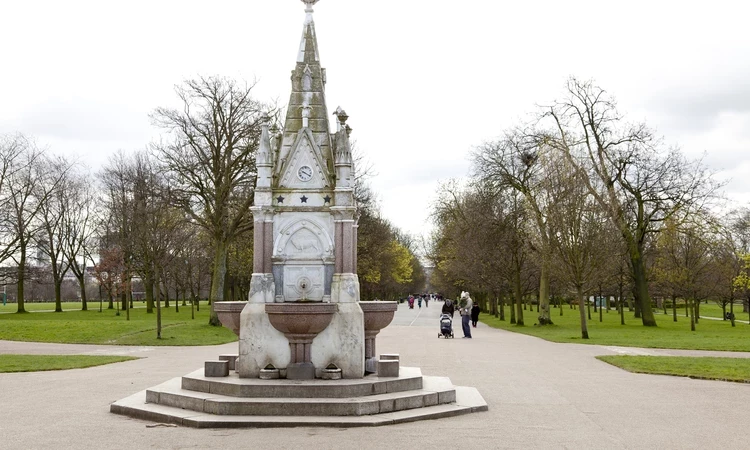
448,307
475,312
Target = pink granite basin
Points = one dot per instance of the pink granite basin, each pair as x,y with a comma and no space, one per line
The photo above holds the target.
378,315
295,318
229,314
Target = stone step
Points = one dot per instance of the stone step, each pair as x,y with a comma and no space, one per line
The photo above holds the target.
468,400
409,379
171,394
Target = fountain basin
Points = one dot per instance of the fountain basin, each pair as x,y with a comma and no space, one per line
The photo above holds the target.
378,315
300,323
229,314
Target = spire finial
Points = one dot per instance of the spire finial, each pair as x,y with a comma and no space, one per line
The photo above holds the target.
309,4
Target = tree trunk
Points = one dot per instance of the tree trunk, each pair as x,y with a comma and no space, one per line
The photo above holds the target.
157,285
217,280
621,303
166,295
128,298
58,295
692,317
82,286
640,289
519,298
21,278
687,309
582,311
697,311
512,305
674,308
148,284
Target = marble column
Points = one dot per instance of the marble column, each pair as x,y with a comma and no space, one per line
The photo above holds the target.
258,247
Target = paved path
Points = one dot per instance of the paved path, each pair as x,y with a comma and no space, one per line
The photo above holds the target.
541,395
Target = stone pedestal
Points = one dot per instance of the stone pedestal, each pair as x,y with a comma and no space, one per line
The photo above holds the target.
260,343
342,343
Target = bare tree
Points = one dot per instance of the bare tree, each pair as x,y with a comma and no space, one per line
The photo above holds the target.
116,226
12,147
211,160
79,225
639,185
521,164
54,207
580,234
29,186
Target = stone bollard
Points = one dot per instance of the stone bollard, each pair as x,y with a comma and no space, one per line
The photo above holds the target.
390,357
232,359
216,369
388,368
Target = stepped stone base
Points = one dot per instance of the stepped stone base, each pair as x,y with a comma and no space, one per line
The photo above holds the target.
232,402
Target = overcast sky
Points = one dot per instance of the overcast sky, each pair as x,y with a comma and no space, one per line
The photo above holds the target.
422,81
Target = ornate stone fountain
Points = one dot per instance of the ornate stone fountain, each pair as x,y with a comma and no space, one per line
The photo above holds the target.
303,326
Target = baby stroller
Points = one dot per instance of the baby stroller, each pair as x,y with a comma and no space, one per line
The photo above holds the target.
446,326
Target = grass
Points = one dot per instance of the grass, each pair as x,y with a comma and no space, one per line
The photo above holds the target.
74,326
709,334
38,363
706,368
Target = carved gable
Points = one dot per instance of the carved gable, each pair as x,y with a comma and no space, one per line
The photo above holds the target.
304,154
304,240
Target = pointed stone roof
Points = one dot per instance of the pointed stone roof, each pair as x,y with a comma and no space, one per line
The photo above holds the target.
307,107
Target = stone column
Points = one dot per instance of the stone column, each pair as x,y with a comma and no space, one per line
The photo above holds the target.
268,244
258,248
355,230
348,251
338,245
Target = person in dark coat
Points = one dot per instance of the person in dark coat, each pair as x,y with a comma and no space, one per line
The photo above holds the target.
474,315
449,307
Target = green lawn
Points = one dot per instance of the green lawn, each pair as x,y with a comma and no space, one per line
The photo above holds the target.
709,334
50,306
725,369
74,326
37,363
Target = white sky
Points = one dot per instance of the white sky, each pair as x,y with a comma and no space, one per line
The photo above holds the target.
423,81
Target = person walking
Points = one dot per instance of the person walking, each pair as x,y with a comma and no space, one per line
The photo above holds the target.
474,315
465,305
448,308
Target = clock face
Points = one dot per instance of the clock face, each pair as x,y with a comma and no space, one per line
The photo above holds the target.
305,173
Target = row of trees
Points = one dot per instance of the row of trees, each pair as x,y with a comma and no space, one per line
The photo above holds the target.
175,215
579,201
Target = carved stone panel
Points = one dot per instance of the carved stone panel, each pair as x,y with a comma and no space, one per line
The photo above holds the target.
303,283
